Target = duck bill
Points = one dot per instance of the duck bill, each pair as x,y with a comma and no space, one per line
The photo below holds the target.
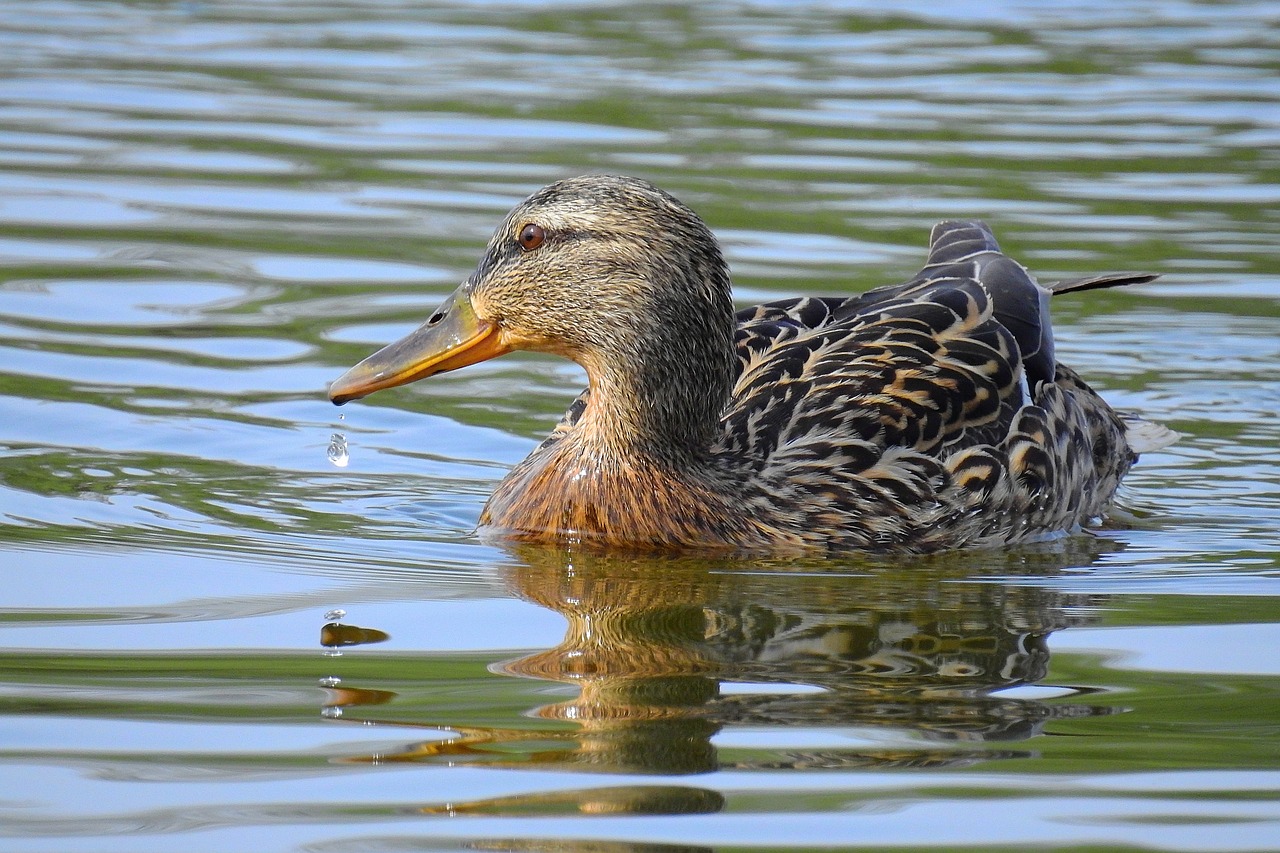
453,338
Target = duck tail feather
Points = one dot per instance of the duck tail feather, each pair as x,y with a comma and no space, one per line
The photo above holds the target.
1144,436
1106,279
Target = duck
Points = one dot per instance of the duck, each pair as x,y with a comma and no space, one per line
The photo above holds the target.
918,417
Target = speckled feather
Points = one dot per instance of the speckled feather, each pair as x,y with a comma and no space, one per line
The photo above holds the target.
924,415
912,418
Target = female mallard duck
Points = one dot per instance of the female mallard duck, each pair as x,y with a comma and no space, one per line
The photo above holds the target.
918,417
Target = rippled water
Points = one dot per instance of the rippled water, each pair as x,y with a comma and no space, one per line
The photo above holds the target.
209,209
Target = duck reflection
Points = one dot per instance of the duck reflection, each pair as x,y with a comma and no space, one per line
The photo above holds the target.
684,666
666,656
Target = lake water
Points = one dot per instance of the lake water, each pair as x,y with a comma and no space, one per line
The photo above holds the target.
208,210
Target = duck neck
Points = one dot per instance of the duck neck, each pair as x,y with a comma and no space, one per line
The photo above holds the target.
661,398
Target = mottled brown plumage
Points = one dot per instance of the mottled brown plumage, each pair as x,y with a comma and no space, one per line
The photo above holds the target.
918,417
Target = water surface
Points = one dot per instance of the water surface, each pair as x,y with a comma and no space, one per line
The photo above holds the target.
209,209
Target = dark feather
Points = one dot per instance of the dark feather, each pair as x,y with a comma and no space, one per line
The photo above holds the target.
929,373
915,417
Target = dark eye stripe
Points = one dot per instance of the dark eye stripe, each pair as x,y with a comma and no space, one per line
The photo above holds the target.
505,251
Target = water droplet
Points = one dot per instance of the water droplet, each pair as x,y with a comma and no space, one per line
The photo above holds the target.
330,681
336,613
338,454
332,713
332,653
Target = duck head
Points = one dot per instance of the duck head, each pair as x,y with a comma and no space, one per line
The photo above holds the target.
608,271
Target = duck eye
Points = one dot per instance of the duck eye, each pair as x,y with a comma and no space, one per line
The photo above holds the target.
531,237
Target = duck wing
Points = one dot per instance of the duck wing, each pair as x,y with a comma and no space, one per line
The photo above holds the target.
937,360
924,403
958,250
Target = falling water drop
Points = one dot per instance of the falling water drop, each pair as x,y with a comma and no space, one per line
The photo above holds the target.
338,454
336,613
330,681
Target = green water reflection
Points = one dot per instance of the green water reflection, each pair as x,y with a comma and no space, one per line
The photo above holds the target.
684,668
918,659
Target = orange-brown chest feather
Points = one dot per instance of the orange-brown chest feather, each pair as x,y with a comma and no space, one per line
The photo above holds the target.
563,493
